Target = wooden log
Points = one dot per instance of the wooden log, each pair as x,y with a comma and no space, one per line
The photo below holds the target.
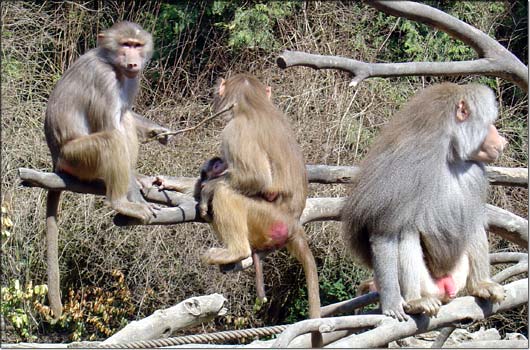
494,344
163,323
502,222
508,225
388,329
329,174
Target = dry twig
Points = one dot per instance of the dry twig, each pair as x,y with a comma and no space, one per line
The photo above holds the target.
191,128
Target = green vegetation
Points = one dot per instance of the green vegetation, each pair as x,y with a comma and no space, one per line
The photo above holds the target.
252,26
248,25
16,301
94,312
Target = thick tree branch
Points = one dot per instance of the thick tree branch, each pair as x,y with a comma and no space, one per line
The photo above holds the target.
65,182
329,174
494,59
322,209
327,325
386,329
511,271
508,225
479,41
324,174
508,257
519,259
502,222
507,176
348,306
333,174
163,323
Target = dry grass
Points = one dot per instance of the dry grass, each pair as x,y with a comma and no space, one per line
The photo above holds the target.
333,123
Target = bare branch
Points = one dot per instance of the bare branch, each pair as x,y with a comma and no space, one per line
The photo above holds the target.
507,176
494,59
348,306
388,329
327,325
494,344
507,225
65,182
479,41
510,272
59,182
325,174
329,174
163,323
507,257
502,222
184,212
322,209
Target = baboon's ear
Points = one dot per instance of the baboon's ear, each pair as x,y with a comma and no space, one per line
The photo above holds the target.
462,111
222,87
269,92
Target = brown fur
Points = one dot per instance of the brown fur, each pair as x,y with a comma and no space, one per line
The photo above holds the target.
264,161
92,132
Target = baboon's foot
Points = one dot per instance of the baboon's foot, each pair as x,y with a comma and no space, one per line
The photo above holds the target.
140,211
396,310
428,305
489,290
222,256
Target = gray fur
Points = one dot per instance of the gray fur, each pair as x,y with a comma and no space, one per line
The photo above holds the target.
89,79
418,178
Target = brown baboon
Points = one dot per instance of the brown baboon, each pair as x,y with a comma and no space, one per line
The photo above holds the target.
260,185
91,129
211,173
259,203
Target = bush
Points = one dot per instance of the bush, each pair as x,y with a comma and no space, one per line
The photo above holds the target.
15,306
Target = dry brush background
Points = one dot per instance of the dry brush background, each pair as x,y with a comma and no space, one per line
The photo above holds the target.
334,125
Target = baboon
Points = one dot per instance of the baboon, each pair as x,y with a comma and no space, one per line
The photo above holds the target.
258,204
92,132
416,208
211,173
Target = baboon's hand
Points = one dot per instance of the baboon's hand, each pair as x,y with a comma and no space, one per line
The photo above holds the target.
161,134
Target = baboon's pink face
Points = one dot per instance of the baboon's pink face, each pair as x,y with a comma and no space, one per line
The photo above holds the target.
492,147
130,57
